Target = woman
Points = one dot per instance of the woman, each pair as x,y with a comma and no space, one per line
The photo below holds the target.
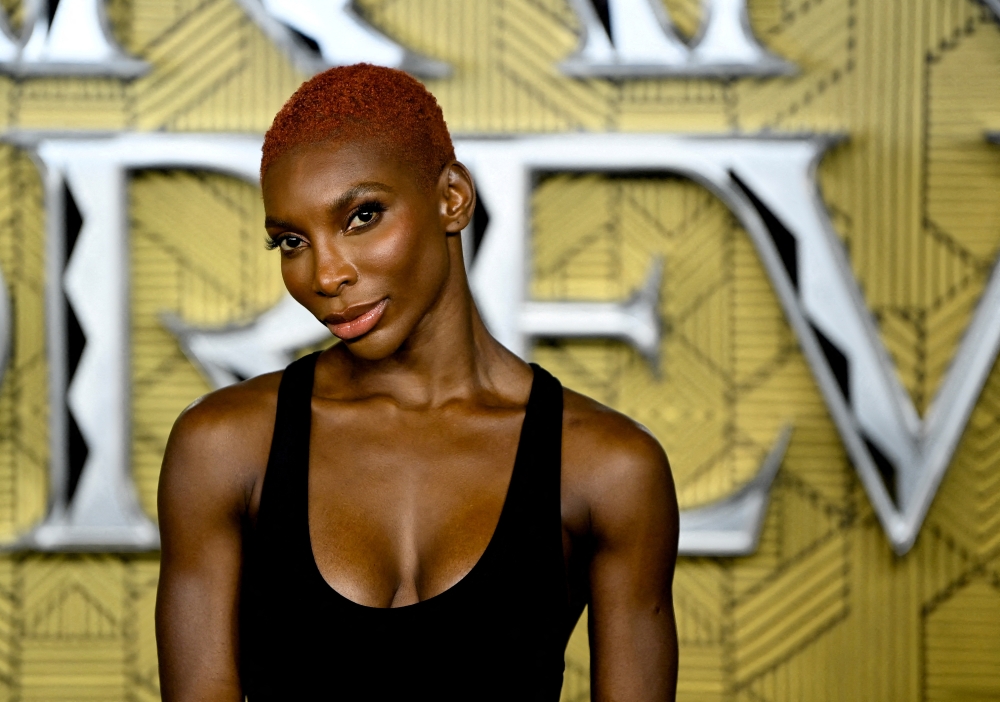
415,511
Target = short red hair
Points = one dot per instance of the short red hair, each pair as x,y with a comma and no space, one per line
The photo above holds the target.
364,102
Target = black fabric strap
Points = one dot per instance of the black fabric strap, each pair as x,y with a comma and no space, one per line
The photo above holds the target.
534,499
546,425
284,495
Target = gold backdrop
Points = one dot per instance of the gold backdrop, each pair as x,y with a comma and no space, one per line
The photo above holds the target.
823,610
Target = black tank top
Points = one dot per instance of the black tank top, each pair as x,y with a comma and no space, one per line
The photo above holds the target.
498,634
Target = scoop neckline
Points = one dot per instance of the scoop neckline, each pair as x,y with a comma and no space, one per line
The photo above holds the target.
483,557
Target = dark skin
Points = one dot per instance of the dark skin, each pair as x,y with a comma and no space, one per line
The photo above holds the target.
414,430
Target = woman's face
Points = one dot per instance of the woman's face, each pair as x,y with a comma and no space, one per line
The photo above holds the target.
363,243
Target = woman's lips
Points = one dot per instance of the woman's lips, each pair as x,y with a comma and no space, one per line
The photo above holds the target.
356,321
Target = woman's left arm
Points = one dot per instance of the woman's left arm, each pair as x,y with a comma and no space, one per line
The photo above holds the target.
634,531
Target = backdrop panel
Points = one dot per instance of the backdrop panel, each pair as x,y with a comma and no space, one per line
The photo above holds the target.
824,608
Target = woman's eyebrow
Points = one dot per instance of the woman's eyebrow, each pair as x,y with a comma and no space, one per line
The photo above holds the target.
351,194
345,199
275,223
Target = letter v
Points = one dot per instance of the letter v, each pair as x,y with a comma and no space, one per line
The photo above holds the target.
900,457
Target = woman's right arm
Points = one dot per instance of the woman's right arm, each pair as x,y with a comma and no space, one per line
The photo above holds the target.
212,461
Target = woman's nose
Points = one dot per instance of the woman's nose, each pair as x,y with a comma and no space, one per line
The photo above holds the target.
333,273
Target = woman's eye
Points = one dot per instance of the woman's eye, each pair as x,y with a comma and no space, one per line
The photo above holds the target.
289,243
365,215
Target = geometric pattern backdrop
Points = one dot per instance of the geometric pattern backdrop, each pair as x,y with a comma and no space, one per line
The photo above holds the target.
824,610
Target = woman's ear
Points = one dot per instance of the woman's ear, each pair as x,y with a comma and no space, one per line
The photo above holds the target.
458,197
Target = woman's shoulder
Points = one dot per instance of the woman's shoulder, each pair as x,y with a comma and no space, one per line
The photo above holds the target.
611,463
221,441
593,429
236,409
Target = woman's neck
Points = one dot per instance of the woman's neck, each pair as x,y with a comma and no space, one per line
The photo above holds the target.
450,356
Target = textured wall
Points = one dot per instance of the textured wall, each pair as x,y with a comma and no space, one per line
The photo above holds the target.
824,610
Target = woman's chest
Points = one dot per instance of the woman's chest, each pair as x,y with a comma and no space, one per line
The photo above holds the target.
402,506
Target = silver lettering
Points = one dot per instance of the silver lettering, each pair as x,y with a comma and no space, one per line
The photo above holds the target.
641,41
731,526
635,321
768,183
341,35
91,283
76,43
103,513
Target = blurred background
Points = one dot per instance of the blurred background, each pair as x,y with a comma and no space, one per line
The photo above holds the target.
867,567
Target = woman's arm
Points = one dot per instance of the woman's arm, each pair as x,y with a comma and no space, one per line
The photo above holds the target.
206,485
633,530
